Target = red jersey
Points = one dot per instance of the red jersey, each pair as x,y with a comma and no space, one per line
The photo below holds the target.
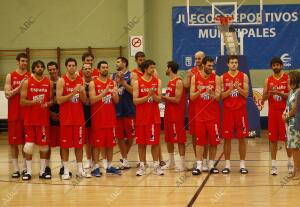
14,107
71,112
206,108
235,100
281,85
95,73
138,72
35,115
174,112
147,113
103,112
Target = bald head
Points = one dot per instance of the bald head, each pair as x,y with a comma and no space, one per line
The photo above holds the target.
198,58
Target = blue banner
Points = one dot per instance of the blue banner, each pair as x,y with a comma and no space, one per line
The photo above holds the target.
279,35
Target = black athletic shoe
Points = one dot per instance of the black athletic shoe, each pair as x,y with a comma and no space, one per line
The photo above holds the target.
214,170
62,171
243,171
162,163
45,176
26,177
48,170
196,171
16,174
226,171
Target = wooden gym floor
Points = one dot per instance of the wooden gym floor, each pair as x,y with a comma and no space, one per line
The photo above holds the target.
257,188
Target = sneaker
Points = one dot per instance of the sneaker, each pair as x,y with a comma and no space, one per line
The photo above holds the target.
162,163
24,172
168,166
113,171
290,168
45,176
62,171
83,174
16,174
66,176
205,167
180,169
196,171
124,165
140,171
104,164
226,170
214,170
273,171
87,165
26,177
96,172
158,170
48,170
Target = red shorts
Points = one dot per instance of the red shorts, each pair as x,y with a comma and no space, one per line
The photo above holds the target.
148,134
276,126
174,132
192,118
207,132
88,135
72,136
37,134
125,128
104,138
16,132
54,139
235,121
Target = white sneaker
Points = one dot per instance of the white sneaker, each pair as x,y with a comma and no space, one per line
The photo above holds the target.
140,171
87,165
168,166
290,168
205,167
180,168
83,174
124,164
273,171
66,176
105,164
158,171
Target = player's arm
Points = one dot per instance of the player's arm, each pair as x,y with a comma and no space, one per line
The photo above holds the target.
134,77
187,80
23,100
266,93
244,91
59,92
126,85
193,93
156,74
136,99
218,88
178,93
49,103
115,95
82,94
157,98
225,94
92,93
8,91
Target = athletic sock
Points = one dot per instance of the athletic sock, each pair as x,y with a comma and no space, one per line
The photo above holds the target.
171,156
66,168
15,164
242,164
155,164
28,166
47,163
211,164
79,167
199,164
273,163
227,164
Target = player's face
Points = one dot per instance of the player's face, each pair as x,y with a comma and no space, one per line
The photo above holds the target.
104,70
53,71
276,67
233,64
119,65
168,71
71,68
150,70
22,63
88,60
87,70
39,70
139,61
208,67
198,59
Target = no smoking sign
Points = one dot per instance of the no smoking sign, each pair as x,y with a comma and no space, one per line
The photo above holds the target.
136,44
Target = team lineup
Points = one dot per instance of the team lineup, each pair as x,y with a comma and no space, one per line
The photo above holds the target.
93,110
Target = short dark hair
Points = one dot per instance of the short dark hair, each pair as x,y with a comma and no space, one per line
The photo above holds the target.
232,57
124,60
207,59
173,65
139,54
294,78
146,64
36,63
276,60
70,60
87,54
21,55
100,63
52,63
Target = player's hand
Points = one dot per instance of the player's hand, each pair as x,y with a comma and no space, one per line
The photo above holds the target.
77,89
236,84
151,92
44,105
231,86
285,117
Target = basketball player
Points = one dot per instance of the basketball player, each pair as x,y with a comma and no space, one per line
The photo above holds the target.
175,99
205,92
191,114
88,58
146,96
15,117
276,92
234,85
70,96
103,97
87,78
36,97
125,111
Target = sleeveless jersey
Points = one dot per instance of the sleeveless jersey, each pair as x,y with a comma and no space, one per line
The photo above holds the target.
277,102
137,72
95,73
